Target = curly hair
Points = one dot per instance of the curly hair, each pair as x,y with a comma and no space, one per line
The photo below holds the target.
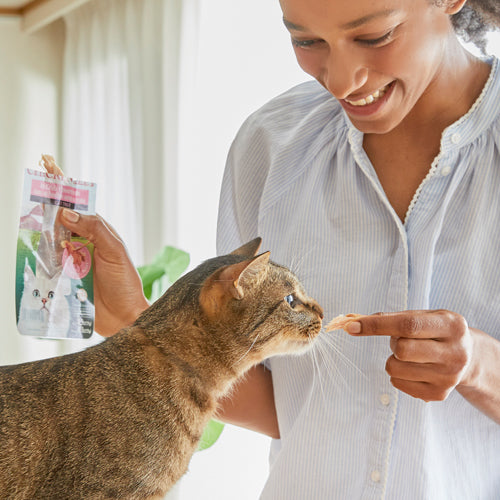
475,20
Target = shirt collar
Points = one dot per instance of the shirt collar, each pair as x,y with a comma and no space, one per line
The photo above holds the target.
466,129
480,116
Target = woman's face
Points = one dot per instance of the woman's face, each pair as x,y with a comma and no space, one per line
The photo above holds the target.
380,58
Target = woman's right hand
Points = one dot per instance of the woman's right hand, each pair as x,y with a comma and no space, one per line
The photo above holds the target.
118,293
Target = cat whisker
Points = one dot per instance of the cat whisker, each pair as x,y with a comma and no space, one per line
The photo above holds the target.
327,343
332,371
295,265
317,374
246,353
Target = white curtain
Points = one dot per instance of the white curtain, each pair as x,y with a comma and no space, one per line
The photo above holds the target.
120,87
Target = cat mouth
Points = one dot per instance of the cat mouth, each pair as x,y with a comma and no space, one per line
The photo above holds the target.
309,335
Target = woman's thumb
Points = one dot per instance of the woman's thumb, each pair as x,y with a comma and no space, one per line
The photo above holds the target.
70,216
94,228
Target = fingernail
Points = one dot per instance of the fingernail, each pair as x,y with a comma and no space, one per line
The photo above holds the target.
70,215
354,327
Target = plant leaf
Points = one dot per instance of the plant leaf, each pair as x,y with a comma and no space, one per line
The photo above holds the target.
149,275
173,261
210,434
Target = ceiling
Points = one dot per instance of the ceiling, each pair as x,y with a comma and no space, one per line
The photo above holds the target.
15,5
35,14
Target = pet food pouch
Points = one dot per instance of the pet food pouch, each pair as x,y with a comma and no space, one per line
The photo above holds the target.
54,285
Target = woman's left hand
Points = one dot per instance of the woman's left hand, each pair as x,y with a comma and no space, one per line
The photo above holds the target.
432,350
435,352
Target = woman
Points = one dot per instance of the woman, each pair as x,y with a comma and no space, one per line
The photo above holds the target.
378,183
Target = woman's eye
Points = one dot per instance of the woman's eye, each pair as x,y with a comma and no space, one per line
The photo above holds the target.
303,43
292,301
36,293
373,42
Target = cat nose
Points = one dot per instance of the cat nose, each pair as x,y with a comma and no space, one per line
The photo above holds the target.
318,309
44,301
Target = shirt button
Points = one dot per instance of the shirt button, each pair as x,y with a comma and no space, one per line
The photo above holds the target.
446,171
375,476
385,399
455,138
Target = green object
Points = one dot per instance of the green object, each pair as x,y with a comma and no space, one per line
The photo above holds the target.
211,433
166,267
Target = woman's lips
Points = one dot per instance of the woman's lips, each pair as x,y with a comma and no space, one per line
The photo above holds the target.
370,103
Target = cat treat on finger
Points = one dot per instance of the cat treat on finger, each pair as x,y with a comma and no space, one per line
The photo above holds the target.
54,285
341,321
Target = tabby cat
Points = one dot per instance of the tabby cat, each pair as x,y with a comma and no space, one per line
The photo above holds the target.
122,419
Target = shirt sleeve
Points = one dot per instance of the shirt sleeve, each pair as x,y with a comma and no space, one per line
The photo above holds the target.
242,186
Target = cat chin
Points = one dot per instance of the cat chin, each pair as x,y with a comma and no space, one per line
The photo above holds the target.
296,348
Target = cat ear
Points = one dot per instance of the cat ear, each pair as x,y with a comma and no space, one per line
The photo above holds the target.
229,283
28,272
236,276
249,249
63,283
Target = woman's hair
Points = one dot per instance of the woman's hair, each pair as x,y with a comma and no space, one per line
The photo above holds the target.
475,20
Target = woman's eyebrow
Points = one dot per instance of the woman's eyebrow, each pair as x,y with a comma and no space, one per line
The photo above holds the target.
349,25
292,26
369,17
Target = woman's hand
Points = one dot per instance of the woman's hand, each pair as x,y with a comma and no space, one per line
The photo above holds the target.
435,352
118,294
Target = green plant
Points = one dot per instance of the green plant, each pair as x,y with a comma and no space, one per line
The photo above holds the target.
167,266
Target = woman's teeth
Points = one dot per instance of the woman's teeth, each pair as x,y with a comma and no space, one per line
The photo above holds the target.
370,98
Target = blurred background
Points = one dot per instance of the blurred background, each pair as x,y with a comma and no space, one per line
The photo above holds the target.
143,97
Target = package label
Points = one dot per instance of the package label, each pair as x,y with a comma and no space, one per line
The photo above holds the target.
54,284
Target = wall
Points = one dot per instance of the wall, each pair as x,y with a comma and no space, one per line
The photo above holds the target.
235,69
29,125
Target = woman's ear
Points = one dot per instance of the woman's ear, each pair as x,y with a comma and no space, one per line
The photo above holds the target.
452,7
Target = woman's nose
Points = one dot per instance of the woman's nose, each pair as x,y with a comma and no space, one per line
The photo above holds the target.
343,74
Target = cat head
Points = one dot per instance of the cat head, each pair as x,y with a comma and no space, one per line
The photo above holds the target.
40,290
244,305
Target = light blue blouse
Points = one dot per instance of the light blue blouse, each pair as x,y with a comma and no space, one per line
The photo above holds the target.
297,175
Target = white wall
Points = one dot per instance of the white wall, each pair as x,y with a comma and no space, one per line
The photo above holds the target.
29,125
244,58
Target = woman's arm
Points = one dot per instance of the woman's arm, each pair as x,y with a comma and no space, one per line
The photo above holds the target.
251,403
481,386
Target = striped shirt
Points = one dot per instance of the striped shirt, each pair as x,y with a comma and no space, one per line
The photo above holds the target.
298,176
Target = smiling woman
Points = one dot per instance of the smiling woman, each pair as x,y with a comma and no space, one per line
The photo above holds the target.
388,164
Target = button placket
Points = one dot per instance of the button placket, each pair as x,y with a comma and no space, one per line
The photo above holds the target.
385,399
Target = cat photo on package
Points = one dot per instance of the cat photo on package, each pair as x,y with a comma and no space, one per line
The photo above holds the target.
54,285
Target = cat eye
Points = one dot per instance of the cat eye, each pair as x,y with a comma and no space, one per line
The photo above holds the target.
292,301
50,295
36,293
